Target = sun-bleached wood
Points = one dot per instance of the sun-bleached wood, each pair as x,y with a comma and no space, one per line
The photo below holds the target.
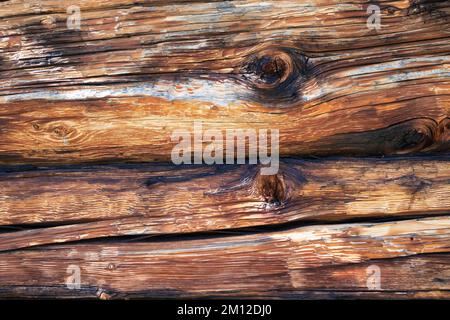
118,88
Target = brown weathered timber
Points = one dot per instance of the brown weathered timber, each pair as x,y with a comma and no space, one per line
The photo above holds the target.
138,71
118,88
95,202
317,261
136,130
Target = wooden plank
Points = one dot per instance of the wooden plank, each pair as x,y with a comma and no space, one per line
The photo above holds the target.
318,261
82,112
117,39
103,201
118,88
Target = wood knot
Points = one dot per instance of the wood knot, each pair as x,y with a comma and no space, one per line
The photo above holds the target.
36,126
419,135
271,189
276,74
425,6
270,68
390,10
443,131
60,131
111,266
277,190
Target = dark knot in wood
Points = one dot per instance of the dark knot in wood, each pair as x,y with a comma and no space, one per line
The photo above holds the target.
443,131
271,189
270,68
277,74
418,135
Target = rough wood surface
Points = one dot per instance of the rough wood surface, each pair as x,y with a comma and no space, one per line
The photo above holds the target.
295,263
133,74
84,112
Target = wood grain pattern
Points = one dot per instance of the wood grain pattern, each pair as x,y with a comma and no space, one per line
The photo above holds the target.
70,204
321,261
364,123
118,88
112,131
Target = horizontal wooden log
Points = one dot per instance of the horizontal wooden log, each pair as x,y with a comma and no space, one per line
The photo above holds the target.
77,132
103,201
119,87
317,261
117,40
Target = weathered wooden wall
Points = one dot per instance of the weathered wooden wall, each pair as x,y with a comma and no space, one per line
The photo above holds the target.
86,118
